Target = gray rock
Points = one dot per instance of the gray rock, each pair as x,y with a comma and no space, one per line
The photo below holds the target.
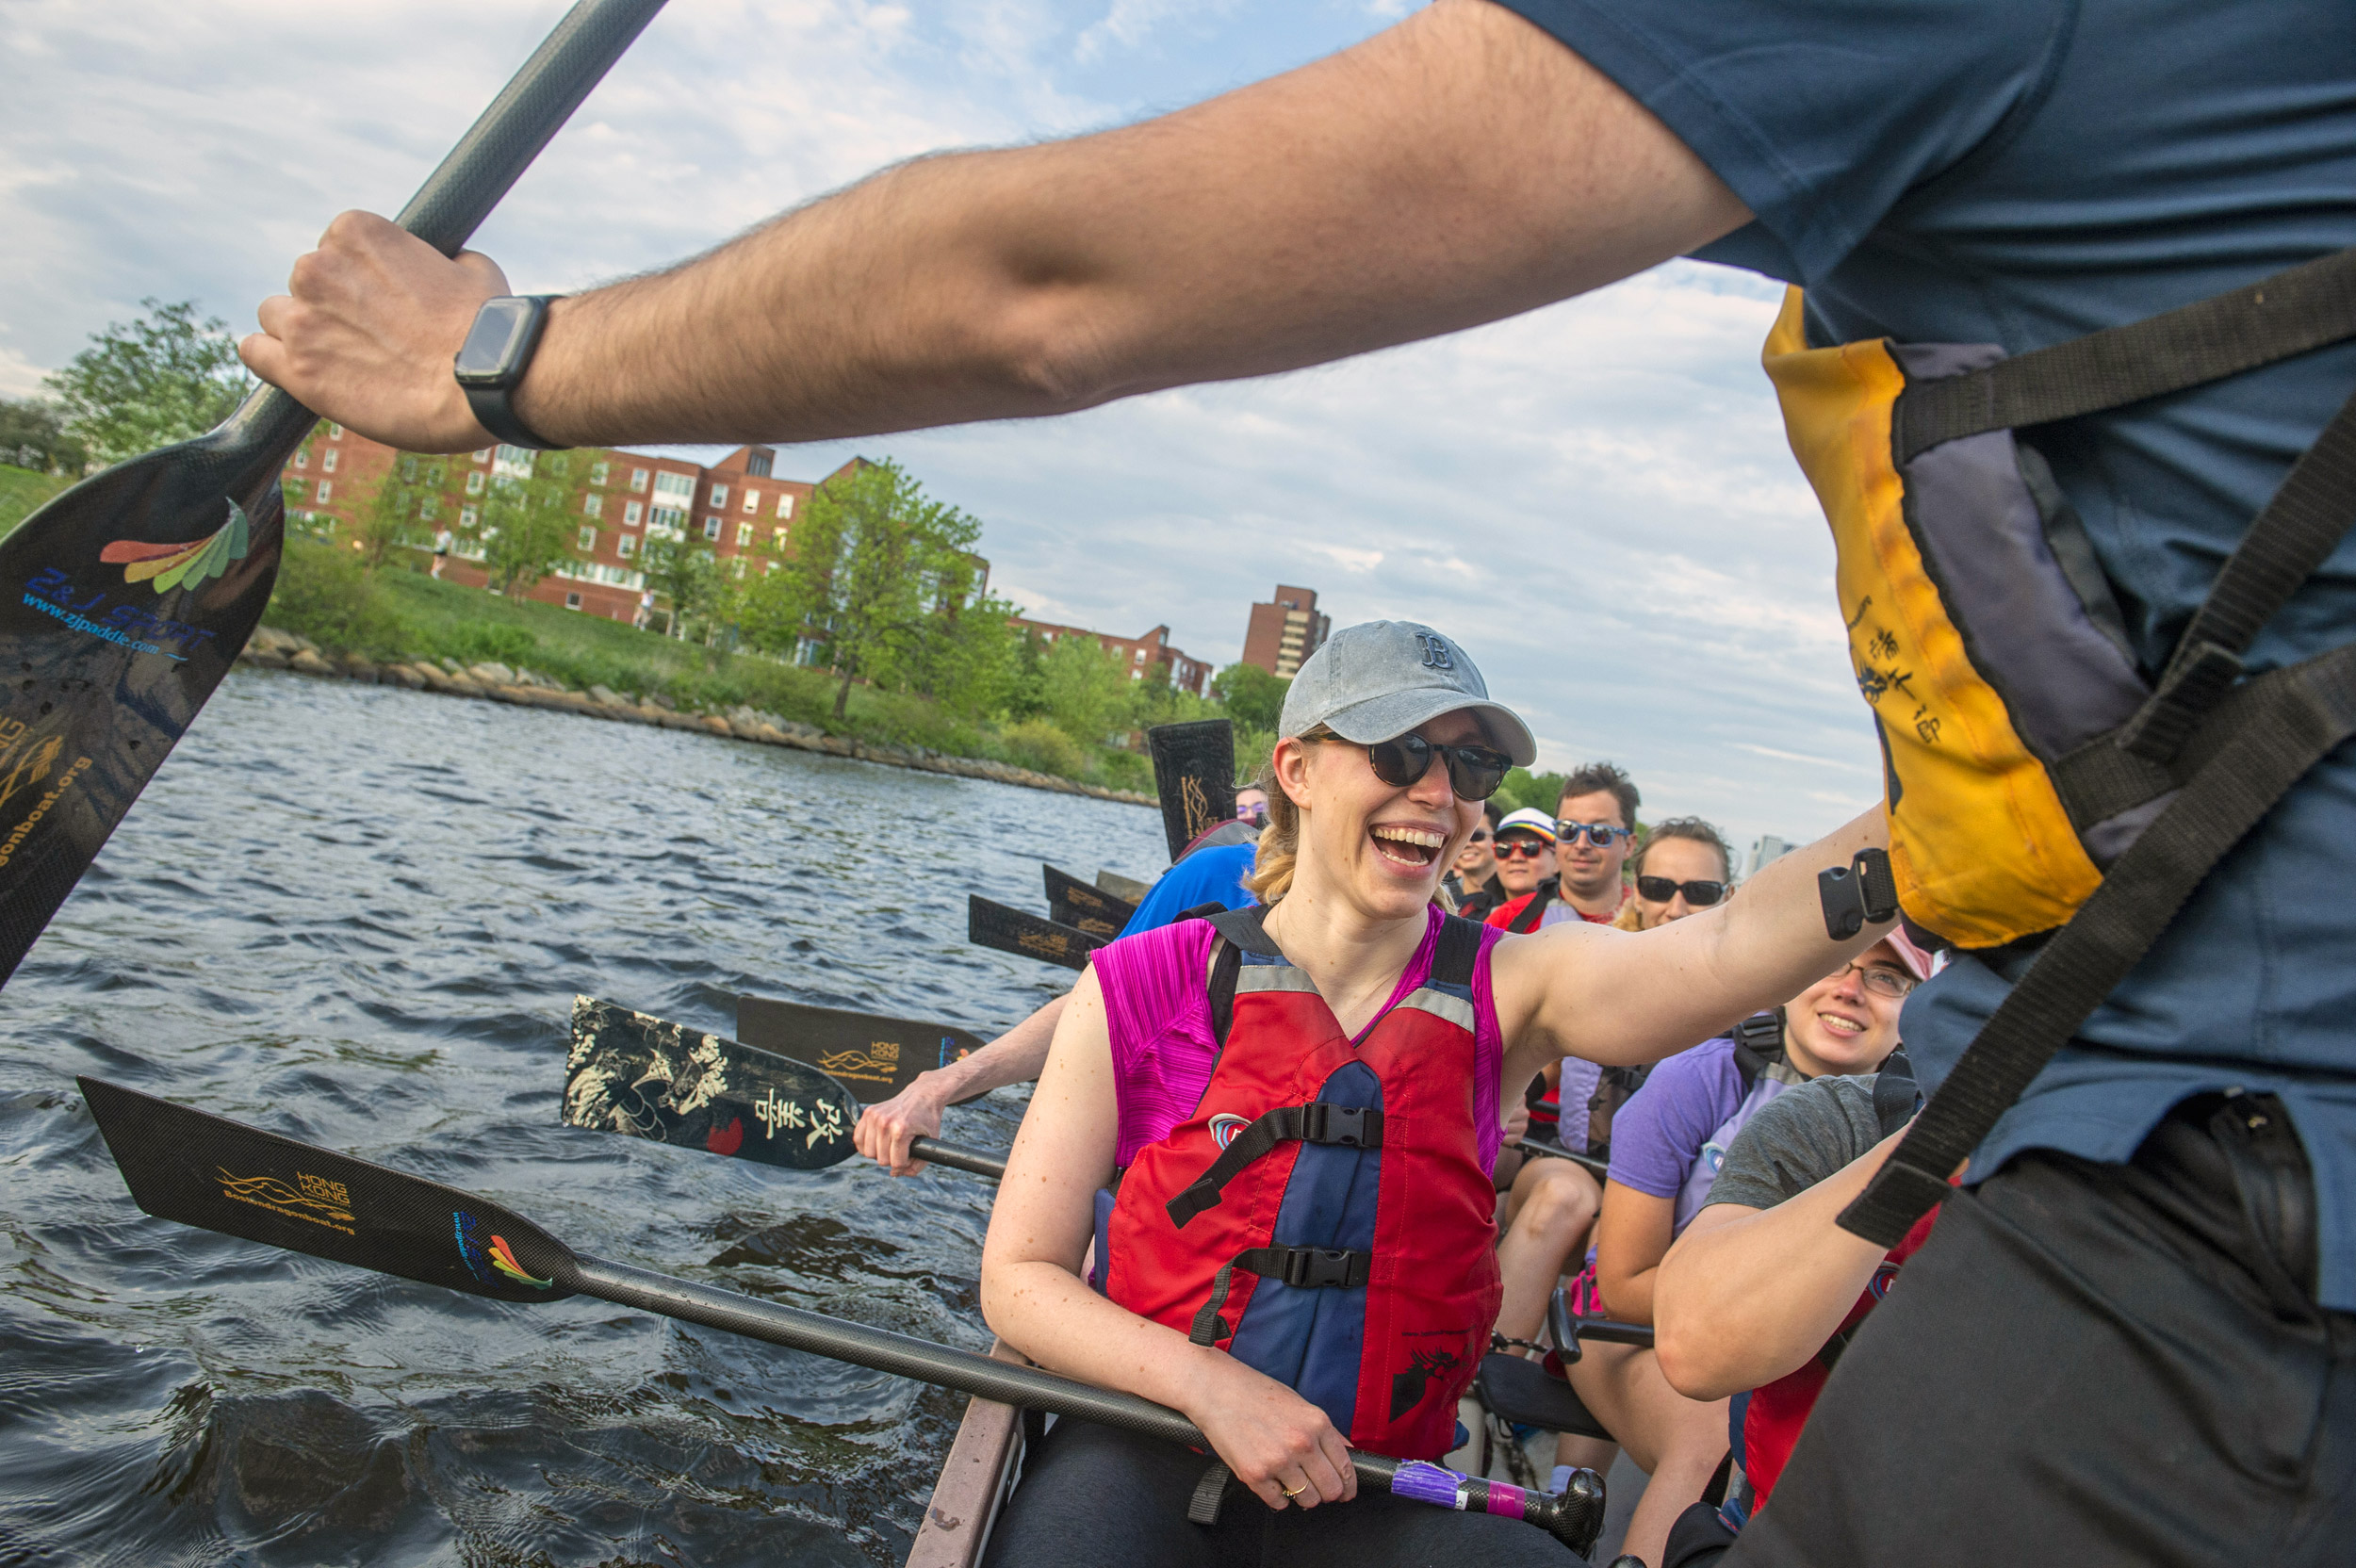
607,696
490,673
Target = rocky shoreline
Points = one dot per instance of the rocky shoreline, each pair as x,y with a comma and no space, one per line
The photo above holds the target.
271,649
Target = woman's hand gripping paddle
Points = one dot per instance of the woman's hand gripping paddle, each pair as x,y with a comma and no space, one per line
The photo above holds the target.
637,1075
220,1175
124,600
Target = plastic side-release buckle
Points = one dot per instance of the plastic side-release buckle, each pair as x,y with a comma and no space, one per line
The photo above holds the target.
1349,1126
1316,1267
1865,889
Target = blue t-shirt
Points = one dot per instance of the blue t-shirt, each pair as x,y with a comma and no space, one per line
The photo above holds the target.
2019,172
1207,876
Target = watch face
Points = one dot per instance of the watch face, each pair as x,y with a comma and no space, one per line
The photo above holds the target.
495,340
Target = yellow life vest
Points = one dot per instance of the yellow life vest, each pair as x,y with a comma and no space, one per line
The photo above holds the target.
2042,790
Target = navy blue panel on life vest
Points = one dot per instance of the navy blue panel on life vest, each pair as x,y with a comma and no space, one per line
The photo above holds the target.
1311,1338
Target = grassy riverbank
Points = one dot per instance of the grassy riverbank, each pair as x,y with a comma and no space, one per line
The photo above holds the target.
399,614
20,490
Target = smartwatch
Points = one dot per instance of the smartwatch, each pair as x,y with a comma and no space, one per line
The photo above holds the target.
492,359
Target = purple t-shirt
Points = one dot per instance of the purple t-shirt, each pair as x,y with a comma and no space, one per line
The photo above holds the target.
1157,1010
1662,1130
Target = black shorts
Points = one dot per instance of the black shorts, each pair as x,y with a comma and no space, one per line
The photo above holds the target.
1091,1495
2094,1364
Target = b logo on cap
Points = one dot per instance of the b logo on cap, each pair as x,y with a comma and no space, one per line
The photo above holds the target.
1436,655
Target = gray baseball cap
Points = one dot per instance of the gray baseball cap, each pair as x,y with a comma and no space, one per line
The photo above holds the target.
1381,678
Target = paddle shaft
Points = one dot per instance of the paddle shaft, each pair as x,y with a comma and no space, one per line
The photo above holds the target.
972,1161
486,165
1569,1516
1588,1162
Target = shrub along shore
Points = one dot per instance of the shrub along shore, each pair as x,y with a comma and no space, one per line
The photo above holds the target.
492,681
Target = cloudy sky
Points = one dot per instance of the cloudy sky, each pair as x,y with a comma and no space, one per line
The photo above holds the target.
1596,498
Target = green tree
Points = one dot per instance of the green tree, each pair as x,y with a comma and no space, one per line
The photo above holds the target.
1086,689
1254,698
684,576
161,379
878,573
33,435
527,527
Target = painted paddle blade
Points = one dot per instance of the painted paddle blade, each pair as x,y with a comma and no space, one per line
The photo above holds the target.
1194,774
990,924
124,598
1127,888
874,1057
1082,905
634,1074
205,1171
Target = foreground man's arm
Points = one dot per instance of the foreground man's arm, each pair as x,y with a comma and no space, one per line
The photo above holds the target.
1458,168
886,1128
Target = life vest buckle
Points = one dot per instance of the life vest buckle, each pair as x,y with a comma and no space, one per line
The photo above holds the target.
1349,1126
1314,1267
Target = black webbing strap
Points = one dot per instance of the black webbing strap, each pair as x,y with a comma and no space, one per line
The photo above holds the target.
2306,711
1242,931
1348,1126
1457,951
1211,1491
1828,1354
2302,308
1532,912
1302,1267
2302,523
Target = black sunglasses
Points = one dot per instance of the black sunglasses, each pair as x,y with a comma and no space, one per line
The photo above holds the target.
1660,890
1473,772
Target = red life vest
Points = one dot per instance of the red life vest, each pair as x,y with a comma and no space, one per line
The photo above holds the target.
1323,1216
1778,1410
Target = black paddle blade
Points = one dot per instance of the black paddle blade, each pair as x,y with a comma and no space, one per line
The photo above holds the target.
1194,774
1082,905
216,1175
1127,888
126,597
989,925
874,1058
634,1074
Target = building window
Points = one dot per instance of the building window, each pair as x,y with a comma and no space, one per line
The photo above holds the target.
752,501
433,504
719,495
588,540
757,463
744,535
593,506
326,491
627,546
1136,674
327,461
1140,658
572,602
769,567
669,518
638,478
777,536
483,456
711,528
597,473
334,431
521,457
474,485
785,504
469,516
409,469
681,485
633,513
302,457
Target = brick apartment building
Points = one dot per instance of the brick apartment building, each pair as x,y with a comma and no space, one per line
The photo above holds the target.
1141,654
1285,631
620,500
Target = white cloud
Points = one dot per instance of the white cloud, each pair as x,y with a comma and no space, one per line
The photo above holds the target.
20,377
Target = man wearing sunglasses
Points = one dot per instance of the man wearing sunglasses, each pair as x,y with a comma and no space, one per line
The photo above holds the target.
1685,865
1524,859
1473,882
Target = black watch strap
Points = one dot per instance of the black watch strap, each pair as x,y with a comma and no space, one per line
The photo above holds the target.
492,402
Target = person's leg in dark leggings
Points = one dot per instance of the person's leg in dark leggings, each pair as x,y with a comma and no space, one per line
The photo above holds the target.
2094,1364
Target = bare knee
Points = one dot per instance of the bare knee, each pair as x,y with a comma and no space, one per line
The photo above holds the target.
1558,1208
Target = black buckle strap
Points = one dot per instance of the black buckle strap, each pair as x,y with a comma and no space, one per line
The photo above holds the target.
1307,1268
1349,1126
2294,718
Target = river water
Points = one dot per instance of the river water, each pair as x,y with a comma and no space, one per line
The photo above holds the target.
358,915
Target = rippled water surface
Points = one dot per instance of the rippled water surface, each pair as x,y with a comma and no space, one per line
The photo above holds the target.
358,916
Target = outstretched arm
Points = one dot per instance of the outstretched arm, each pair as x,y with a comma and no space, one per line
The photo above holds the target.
1616,996
1033,1298
886,1128
1456,169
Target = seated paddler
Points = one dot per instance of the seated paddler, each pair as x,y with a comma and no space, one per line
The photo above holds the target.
1277,1126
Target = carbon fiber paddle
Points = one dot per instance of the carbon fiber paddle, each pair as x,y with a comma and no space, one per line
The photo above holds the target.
124,600
1084,905
639,1076
988,923
873,1057
216,1175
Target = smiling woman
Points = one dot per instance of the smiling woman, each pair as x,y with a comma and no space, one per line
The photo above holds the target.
1223,1096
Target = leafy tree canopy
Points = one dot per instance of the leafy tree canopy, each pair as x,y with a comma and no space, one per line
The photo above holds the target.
33,435
163,377
1254,698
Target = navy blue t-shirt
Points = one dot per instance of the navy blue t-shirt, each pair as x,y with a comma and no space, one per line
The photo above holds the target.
2019,172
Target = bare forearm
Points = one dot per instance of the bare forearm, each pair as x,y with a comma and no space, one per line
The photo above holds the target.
1628,1297
1049,1315
1748,1294
1016,1056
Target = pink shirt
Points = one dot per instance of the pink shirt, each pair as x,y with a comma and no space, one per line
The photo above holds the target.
1157,1009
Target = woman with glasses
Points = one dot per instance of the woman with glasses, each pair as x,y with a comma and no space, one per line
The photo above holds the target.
1667,1144
1277,1126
